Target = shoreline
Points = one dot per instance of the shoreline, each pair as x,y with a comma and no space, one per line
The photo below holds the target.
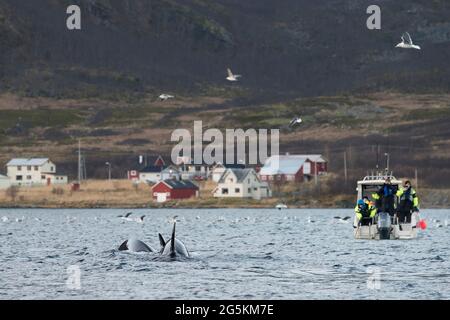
122,194
182,206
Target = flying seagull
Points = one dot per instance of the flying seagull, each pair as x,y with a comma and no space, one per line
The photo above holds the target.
125,216
407,42
165,97
140,219
232,77
295,122
343,220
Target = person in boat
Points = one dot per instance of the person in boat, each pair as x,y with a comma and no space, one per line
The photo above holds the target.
385,197
365,212
408,202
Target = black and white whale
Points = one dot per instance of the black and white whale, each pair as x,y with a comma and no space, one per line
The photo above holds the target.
173,248
134,245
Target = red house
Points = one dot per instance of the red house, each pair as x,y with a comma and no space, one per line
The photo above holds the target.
171,189
293,168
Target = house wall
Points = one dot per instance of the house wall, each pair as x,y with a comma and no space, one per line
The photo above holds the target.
250,187
183,193
217,173
5,183
31,175
167,175
133,175
322,167
55,179
152,177
190,171
173,193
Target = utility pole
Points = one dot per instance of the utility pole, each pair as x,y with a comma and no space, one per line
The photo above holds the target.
387,161
417,179
378,157
109,170
345,166
79,161
315,172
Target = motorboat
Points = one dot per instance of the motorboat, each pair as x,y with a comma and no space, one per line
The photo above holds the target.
383,226
281,206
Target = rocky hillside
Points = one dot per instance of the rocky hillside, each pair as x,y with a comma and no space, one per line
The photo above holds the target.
354,90
294,47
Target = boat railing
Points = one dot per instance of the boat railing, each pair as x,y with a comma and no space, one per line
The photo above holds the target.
379,176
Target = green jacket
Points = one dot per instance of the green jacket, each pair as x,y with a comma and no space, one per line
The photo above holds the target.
370,210
411,196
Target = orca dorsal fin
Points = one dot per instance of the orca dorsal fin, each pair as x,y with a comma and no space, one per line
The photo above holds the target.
128,214
162,241
172,240
124,246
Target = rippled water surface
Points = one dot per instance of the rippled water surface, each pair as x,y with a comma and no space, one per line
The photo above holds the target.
236,253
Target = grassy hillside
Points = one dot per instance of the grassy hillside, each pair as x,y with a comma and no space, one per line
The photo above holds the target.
412,128
296,47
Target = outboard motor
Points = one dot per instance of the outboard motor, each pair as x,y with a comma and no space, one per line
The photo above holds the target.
384,225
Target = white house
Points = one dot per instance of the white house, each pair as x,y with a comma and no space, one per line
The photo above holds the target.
190,171
154,174
150,174
241,183
5,183
219,169
34,171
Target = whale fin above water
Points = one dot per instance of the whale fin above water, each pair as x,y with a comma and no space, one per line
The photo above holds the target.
174,247
162,241
172,240
124,246
135,246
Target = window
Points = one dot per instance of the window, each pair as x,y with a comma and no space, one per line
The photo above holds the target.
28,177
28,168
255,189
42,177
249,190
19,168
225,191
19,178
237,190
52,169
36,168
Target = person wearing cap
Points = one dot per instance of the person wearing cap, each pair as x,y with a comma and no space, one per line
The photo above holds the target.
408,202
365,212
385,197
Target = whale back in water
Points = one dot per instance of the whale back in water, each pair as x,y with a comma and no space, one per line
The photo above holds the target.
174,247
134,245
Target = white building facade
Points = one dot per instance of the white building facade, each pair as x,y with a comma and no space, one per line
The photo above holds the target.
241,183
5,183
34,171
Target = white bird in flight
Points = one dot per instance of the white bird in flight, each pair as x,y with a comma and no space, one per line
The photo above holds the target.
165,97
140,219
295,122
407,42
232,77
